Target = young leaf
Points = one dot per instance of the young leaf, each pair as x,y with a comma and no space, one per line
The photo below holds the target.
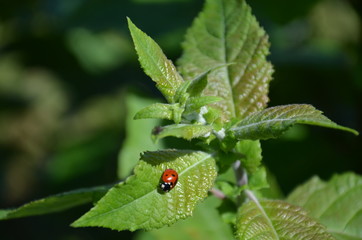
186,131
139,203
272,122
258,180
55,203
195,103
251,154
137,135
155,64
226,32
336,204
271,220
181,94
198,84
156,110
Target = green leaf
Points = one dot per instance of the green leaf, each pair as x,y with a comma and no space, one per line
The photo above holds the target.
271,220
186,131
198,84
138,135
251,154
195,103
181,94
226,32
155,64
274,121
205,224
139,203
258,180
55,203
337,203
274,191
156,110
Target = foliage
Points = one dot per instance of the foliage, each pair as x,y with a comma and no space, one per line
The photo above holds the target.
216,98
335,203
139,202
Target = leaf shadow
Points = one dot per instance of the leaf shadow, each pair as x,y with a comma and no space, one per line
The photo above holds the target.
155,158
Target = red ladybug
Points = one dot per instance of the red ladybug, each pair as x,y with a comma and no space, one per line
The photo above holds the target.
169,179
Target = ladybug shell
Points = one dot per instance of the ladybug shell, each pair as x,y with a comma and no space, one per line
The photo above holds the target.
169,179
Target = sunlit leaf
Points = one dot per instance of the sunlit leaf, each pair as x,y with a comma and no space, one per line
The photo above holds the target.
225,33
55,203
156,110
205,224
274,220
337,204
186,131
139,203
272,122
155,64
195,103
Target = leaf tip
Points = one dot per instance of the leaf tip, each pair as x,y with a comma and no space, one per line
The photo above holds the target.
355,132
131,25
129,21
76,223
136,116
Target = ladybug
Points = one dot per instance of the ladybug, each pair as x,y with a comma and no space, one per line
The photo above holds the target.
169,179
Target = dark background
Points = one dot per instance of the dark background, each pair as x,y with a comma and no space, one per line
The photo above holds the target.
65,67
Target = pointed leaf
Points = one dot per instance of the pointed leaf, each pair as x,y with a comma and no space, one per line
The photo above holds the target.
186,131
198,84
337,203
156,110
271,220
155,64
193,88
181,94
139,203
55,203
138,134
226,32
272,122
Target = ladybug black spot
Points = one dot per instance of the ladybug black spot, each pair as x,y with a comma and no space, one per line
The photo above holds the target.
166,186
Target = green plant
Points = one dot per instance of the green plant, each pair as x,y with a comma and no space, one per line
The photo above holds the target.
217,98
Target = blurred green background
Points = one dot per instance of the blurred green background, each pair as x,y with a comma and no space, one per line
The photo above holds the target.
66,66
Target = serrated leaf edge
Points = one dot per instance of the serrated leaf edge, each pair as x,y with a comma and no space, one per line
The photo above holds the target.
327,122
253,198
78,222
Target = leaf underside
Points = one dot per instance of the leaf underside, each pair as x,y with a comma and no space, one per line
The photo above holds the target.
138,203
227,34
274,220
186,131
55,203
156,110
272,122
336,204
